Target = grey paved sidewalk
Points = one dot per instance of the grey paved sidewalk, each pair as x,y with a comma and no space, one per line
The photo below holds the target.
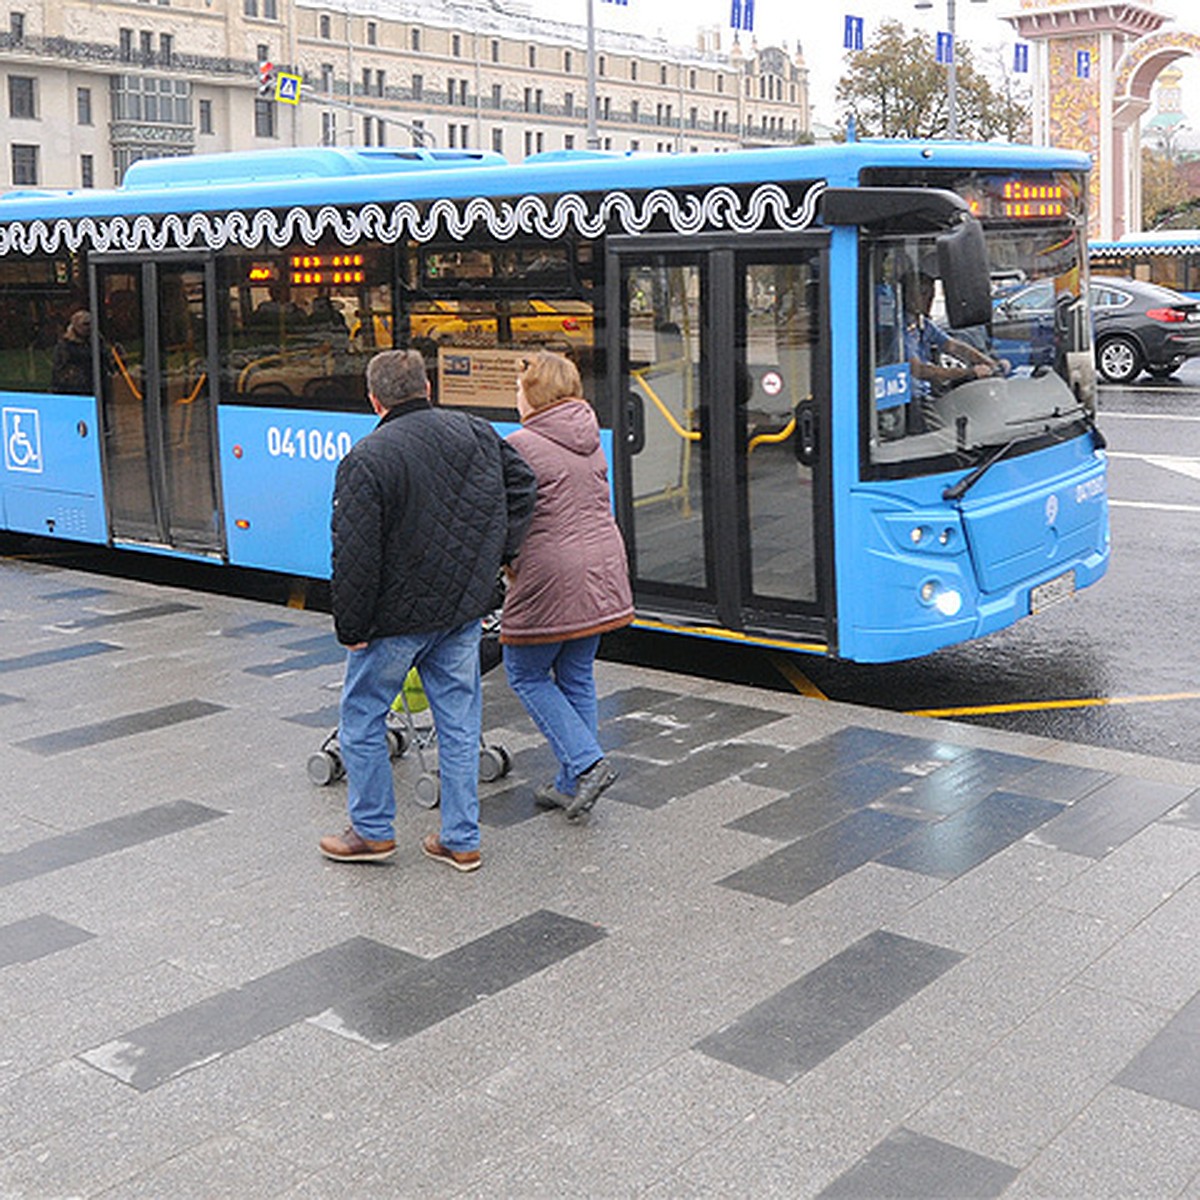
800,948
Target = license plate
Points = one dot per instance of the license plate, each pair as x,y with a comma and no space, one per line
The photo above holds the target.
1051,592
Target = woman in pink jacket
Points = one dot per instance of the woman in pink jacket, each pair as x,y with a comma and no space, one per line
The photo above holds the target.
570,582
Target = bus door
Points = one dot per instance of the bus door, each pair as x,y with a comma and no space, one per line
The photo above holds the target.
159,403
722,397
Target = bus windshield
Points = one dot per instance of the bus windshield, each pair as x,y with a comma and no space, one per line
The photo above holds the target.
943,397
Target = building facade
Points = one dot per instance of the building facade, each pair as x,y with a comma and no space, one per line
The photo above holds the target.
93,85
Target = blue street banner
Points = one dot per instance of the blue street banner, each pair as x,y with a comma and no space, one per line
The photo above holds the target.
1083,64
852,39
1021,58
622,3
945,48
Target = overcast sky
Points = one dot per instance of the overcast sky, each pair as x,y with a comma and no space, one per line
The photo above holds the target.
818,26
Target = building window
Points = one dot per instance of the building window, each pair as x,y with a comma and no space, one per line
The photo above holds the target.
270,10
264,118
533,56
22,97
606,108
569,104
323,27
537,100
633,70
635,145
568,141
166,48
662,74
635,111
16,27
87,171
146,40
327,78
372,33
328,129
568,62
456,45
692,80
495,50
720,83
380,86
528,143
498,140
250,8
24,165
206,120
125,44
601,65
415,39
83,106
418,131
418,87
497,96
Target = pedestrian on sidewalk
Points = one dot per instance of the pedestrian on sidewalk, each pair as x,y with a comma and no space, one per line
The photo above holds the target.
426,509
570,582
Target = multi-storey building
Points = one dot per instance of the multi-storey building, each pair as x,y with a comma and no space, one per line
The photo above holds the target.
93,85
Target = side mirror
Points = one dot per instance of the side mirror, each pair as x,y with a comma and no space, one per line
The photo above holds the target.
963,265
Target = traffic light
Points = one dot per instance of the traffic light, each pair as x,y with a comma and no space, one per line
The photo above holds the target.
266,78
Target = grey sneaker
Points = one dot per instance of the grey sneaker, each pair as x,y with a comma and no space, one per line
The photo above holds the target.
548,796
600,776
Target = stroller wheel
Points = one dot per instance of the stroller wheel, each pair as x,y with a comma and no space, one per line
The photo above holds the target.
494,763
397,741
325,766
428,791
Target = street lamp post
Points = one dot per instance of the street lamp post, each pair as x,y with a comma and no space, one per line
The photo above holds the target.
951,66
593,134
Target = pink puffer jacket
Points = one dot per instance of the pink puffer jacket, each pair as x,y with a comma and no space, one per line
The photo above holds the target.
571,577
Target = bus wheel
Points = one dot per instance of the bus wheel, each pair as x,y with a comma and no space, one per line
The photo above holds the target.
1119,359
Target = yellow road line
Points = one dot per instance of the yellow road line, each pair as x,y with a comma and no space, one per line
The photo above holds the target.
792,673
979,710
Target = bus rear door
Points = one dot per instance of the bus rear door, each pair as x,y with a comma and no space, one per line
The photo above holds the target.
159,403
719,404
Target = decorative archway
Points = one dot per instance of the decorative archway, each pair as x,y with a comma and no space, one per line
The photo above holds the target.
1100,112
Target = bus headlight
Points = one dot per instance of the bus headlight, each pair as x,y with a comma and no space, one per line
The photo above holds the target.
948,601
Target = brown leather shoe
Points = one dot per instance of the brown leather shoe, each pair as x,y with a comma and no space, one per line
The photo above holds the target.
351,846
460,860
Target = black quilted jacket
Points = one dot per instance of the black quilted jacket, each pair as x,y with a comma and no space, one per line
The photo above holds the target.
425,509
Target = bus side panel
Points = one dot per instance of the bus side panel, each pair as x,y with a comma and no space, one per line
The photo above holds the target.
909,587
52,482
277,473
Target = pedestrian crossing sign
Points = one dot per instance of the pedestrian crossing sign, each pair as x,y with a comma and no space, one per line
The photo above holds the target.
287,88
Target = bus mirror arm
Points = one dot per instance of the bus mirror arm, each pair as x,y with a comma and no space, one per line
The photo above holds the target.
806,433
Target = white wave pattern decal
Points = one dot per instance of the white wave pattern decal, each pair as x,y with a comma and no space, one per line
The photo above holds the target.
719,208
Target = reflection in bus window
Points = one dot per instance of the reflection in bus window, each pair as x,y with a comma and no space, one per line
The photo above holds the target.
298,328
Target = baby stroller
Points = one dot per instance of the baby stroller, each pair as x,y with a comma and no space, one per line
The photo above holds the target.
325,766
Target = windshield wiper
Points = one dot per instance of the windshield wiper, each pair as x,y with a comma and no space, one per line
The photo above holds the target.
958,490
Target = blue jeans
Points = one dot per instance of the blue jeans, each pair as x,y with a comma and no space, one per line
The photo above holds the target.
448,663
556,684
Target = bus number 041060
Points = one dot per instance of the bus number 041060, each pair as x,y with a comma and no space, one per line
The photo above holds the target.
316,444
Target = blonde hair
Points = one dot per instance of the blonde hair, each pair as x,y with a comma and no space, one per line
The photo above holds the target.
547,378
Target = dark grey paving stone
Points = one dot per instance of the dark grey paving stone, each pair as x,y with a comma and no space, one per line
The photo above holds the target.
256,628
845,749
147,612
459,979
1110,815
1168,1068
632,700
50,658
326,656
151,1054
1061,782
952,847
963,782
823,800
79,593
38,937
800,1026
909,1165
119,727
106,837
652,786
319,718
801,868
5,698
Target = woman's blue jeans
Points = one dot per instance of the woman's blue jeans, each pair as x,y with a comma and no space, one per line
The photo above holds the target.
448,663
556,684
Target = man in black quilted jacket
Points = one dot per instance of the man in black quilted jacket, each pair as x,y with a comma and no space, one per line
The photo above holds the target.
426,509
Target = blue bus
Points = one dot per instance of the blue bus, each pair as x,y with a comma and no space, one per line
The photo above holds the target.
1168,257
783,470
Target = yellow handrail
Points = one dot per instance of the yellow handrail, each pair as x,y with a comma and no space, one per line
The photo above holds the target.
772,438
691,435
133,387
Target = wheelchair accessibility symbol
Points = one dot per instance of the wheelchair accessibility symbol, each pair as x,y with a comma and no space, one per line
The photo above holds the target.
22,440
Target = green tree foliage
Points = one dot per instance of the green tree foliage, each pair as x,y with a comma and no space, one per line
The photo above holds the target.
1164,190
895,87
